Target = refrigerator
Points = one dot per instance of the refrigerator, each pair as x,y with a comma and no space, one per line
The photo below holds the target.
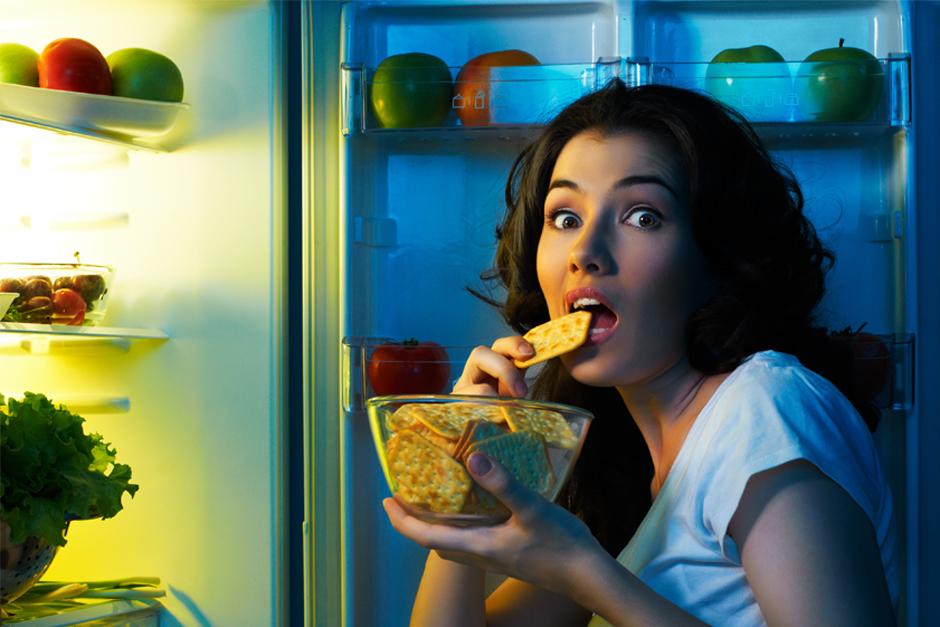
275,231
411,224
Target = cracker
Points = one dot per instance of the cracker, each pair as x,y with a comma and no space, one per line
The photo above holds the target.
425,475
448,446
557,337
402,418
523,454
551,425
476,431
449,419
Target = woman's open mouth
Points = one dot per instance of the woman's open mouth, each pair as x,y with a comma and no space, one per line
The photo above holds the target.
603,319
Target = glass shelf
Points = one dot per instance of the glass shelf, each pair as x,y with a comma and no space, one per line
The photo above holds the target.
126,122
888,364
46,338
781,99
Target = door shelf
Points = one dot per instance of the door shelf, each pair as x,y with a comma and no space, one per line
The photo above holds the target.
43,339
126,122
888,364
518,100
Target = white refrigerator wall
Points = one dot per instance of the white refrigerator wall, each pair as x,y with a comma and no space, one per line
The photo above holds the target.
194,236
419,208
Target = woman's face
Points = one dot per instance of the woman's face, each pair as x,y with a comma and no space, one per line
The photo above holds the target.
617,239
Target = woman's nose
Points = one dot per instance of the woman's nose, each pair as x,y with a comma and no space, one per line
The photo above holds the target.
591,253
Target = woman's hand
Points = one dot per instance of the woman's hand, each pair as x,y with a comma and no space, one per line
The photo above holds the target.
491,371
541,543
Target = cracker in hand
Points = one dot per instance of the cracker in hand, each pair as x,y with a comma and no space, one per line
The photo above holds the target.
557,337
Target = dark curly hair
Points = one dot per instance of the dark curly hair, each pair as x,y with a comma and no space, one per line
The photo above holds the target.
764,257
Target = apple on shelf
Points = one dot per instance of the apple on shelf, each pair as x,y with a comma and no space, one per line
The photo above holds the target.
840,84
74,64
18,65
145,74
754,80
411,90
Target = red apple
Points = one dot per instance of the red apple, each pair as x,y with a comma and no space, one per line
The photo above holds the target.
74,65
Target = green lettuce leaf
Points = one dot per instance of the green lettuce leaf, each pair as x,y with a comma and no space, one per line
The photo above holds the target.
51,471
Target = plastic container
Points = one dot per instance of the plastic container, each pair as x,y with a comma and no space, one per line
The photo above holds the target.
40,302
423,443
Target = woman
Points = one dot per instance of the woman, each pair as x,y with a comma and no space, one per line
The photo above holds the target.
723,480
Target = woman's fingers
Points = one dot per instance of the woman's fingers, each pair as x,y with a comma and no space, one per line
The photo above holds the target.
499,482
493,368
438,537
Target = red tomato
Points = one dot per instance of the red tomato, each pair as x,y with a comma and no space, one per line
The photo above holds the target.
74,65
473,83
409,367
68,307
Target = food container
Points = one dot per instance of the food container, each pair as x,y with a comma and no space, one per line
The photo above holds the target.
423,443
6,299
56,293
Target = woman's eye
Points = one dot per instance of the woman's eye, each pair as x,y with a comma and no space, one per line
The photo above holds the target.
644,219
564,220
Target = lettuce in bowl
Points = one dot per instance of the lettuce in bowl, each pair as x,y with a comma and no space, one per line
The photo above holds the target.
52,472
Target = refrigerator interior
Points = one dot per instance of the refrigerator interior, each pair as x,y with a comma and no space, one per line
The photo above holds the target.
192,224
418,207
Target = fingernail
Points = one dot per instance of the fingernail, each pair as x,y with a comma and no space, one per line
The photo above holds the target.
525,349
479,464
520,388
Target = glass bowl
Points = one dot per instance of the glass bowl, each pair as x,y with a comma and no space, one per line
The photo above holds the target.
38,286
424,441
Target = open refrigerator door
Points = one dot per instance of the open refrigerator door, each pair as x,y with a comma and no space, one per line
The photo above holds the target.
420,188
179,209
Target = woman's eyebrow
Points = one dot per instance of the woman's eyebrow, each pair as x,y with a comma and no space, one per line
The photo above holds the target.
626,181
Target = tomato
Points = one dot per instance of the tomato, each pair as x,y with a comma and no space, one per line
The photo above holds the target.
74,65
68,307
409,367
472,101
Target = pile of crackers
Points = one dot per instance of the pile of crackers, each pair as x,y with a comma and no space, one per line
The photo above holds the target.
431,442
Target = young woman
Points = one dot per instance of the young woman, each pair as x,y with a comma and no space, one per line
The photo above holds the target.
724,479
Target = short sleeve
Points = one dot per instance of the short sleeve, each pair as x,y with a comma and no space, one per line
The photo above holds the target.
774,415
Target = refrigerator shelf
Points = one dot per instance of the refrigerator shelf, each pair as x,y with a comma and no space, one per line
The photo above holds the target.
517,100
46,338
127,122
888,363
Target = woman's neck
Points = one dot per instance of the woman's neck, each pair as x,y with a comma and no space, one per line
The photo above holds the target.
664,408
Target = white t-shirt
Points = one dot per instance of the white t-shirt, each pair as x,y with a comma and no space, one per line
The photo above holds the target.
769,411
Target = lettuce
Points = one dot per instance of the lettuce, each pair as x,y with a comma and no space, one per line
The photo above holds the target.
52,472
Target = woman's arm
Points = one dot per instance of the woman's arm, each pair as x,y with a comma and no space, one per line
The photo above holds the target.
541,544
809,551
450,595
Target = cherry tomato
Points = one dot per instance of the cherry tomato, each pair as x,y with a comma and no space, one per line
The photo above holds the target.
409,367
74,65
68,307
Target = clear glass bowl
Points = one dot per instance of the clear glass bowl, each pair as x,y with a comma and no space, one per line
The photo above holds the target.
38,283
423,442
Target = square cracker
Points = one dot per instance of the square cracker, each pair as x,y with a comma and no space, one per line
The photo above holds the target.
551,425
523,454
449,419
557,337
425,475
476,431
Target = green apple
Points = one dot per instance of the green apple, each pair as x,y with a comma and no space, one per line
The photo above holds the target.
410,90
19,64
839,84
145,74
754,80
